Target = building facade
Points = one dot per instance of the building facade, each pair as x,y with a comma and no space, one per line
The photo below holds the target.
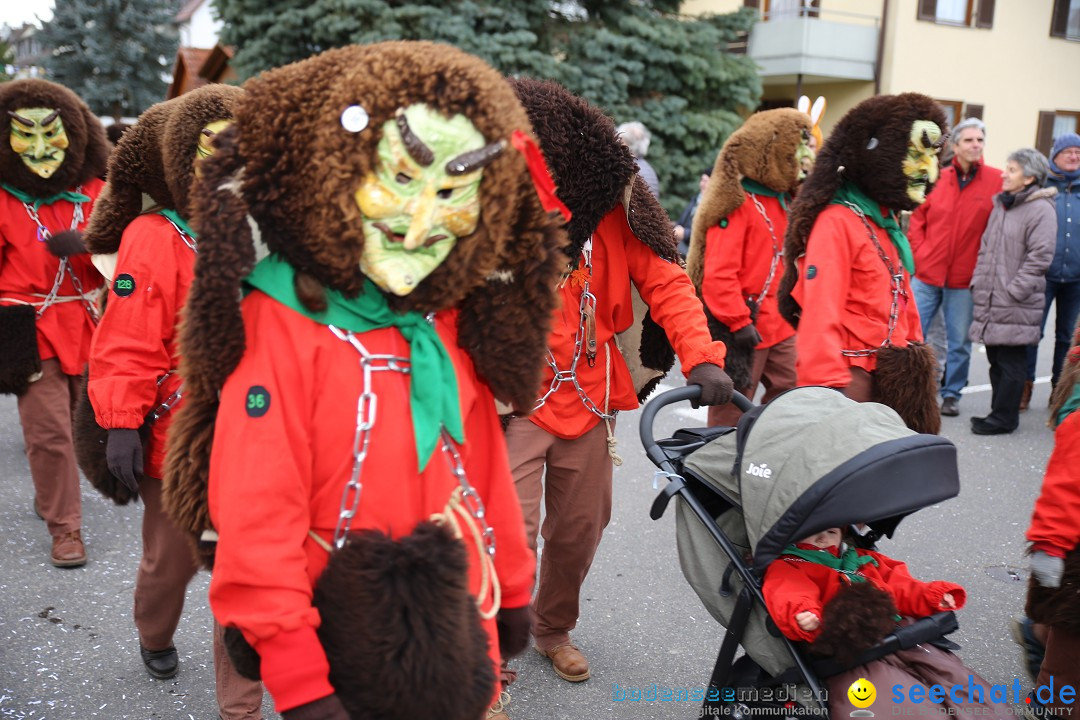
1013,63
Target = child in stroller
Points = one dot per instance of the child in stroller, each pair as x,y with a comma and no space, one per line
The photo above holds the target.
808,461
843,600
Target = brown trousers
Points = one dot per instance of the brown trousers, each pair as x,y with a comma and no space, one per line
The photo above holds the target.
577,499
165,570
45,411
1059,667
774,367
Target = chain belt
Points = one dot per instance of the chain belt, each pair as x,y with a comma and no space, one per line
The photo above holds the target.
896,276
584,341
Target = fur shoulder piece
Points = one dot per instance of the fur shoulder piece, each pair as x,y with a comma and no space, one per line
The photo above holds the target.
88,147
590,165
762,149
867,147
288,169
156,158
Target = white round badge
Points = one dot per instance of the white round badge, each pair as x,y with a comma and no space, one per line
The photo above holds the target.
354,118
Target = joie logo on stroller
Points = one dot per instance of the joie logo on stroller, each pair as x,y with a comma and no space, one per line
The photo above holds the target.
762,471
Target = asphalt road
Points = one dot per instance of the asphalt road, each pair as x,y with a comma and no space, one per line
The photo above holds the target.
68,647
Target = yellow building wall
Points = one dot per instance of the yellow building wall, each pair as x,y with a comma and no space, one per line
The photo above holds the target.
1014,69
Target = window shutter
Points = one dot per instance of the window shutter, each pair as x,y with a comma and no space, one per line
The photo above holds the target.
1044,139
975,111
814,9
1059,21
927,10
984,17
752,4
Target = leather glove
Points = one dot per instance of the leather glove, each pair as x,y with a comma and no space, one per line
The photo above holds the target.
716,387
327,708
747,335
124,456
1047,569
514,625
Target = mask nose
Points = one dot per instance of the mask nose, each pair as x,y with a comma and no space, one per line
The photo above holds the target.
38,146
422,216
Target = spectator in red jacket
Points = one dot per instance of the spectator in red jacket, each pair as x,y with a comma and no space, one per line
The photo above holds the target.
944,234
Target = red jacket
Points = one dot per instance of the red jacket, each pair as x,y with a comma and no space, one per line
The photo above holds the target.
28,269
946,229
793,585
135,344
738,254
619,258
1055,523
278,471
845,293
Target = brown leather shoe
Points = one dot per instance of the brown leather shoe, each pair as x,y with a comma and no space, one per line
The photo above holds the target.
68,550
568,662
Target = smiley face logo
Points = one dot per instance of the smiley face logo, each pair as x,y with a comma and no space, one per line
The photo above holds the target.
862,693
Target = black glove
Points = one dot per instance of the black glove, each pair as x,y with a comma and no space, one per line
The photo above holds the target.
747,335
716,387
514,625
327,708
124,455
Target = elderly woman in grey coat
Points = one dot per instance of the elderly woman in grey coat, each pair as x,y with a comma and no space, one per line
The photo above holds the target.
1009,282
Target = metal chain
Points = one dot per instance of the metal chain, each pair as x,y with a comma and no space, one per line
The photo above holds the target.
778,249
188,240
366,415
43,234
896,282
586,307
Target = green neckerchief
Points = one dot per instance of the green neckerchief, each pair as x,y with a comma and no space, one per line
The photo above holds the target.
1070,405
38,202
434,392
179,222
752,186
847,563
848,193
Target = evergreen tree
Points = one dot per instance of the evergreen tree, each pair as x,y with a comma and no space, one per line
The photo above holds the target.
114,54
637,59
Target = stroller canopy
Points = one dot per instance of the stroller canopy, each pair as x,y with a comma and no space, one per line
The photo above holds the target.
813,459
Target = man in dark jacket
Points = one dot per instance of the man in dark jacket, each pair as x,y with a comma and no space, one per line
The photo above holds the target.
1063,278
944,234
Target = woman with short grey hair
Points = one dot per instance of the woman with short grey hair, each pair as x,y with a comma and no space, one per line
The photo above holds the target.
1009,282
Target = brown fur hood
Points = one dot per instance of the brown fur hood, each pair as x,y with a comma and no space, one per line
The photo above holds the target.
156,157
762,149
867,147
288,167
593,170
88,148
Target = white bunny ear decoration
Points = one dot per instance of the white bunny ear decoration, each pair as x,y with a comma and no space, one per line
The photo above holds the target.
817,111
803,105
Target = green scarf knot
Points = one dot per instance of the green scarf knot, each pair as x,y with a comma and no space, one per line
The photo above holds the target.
179,222
433,391
1070,405
848,562
849,193
756,188
36,202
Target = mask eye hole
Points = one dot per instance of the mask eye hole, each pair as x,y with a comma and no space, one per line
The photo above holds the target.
403,179
445,193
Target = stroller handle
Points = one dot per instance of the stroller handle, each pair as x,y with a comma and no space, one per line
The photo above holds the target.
652,407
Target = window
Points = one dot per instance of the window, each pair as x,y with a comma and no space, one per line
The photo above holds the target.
1065,22
954,110
963,13
1053,123
780,9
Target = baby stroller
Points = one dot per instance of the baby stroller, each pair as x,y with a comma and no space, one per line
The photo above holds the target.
809,460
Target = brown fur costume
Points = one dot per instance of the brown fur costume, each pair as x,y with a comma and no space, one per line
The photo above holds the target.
763,150
854,621
287,165
868,147
88,148
1061,605
156,157
595,172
